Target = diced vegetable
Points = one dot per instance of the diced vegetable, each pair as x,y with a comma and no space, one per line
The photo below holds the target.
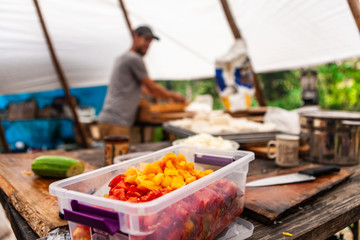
201,215
157,178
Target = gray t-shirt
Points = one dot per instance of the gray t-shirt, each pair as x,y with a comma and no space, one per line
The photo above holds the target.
124,91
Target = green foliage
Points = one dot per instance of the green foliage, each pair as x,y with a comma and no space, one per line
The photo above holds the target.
158,134
339,86
192,89
291,100
282,89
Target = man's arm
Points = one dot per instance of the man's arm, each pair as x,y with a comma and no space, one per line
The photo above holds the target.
145,92
157,90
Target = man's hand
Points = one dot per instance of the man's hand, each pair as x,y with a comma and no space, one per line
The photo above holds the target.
159,91
177,97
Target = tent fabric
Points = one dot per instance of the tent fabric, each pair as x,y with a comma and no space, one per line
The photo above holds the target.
291,34
193,34
89,34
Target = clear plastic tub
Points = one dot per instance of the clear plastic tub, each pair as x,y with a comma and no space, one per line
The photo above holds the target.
199,210
129,156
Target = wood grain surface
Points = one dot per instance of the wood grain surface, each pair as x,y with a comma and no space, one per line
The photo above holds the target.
29,193
269,203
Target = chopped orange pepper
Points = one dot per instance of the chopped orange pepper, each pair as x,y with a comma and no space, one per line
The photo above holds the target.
170,165
207,172
169,171
190,179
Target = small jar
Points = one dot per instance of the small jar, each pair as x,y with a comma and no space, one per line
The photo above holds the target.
115,146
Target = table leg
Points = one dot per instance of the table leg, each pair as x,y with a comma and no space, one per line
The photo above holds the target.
355,230
20,228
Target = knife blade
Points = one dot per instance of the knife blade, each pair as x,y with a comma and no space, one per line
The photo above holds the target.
305,175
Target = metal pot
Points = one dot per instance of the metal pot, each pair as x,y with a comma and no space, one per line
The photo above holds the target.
331,137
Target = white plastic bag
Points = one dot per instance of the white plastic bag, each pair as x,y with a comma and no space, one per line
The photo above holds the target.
234,78
202,103
285,121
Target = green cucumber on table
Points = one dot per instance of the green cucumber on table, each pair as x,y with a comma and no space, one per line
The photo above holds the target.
57,166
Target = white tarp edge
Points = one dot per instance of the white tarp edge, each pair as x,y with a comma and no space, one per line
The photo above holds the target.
290,34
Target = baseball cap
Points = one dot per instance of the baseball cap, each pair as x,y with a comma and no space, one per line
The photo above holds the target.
145,31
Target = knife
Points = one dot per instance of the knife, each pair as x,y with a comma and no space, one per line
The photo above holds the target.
305,175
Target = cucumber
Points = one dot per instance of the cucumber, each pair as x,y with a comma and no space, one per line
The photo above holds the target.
57,166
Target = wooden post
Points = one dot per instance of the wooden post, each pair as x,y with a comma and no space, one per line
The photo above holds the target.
3,139
126,17
61,76
259,94
237,35
230,19
355,9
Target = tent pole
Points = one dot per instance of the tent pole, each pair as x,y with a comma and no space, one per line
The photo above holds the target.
258,90
61,76
3,139
355,9
236,32
126,17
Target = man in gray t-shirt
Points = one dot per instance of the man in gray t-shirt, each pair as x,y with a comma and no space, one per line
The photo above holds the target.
128,79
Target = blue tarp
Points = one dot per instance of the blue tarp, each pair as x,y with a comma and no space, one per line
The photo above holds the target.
48,133
39,133
89,96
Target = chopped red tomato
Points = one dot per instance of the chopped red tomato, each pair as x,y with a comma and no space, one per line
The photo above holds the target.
116,180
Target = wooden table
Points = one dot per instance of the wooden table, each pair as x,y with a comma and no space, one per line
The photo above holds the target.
319,219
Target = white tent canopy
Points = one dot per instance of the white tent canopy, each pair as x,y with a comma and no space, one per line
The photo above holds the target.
290,34
89,34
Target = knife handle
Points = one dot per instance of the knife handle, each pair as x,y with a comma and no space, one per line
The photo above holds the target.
319,171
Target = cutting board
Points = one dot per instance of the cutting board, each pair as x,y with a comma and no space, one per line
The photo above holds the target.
270,203
29,193
161,112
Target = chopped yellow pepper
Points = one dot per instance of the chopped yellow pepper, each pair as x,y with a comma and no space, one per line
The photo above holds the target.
148,184
149,169
287,234
177,182
169,172
158,178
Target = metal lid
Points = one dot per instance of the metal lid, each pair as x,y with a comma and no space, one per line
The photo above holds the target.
116,138
341,115
287,137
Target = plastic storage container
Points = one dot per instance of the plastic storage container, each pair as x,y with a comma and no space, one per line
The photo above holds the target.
129,156
199,210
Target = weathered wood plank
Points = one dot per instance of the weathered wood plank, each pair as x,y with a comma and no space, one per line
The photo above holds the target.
29,193
270,203
320,218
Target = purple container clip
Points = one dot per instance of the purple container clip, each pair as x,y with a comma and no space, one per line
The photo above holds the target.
102,219
213,160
